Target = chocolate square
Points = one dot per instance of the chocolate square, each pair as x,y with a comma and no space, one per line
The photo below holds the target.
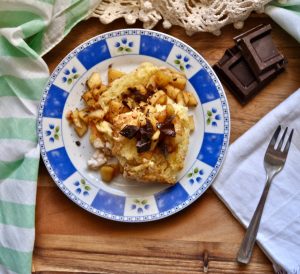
237,75
258,49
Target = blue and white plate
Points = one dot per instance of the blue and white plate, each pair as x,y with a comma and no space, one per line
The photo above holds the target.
122,200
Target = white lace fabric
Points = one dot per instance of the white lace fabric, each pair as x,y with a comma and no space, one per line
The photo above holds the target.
193,15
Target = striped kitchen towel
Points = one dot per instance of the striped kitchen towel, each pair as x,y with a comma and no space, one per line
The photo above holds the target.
286,13
28,29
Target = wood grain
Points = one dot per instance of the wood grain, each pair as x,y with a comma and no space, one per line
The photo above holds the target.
88,254
70,240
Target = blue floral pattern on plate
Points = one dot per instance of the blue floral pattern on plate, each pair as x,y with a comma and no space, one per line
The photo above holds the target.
82,187
53,133
140,205
70,75
124,45
152,45
182,62
195,176
212,117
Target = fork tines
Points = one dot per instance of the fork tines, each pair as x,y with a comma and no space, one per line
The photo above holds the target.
281,141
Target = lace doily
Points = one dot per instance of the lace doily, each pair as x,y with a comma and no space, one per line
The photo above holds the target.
193,15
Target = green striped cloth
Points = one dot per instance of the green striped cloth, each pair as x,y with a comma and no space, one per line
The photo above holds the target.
28,29
286,13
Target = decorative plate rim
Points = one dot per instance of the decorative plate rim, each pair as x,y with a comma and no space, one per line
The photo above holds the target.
191,198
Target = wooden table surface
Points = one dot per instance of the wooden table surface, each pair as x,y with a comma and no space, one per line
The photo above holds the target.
71,240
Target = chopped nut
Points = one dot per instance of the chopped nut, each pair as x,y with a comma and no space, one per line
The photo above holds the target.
186,97
153,145
178,81
96,93
75,118
170,110
115,107
87,95
91,103
192,100
96,114
156,135
163,77
172,91
107,173
94,133
116,167
69,115
161,116
151,85
114,74
94,81
105,128
180,99
79,125
162,100
191,123
81,130
178,125
153,121
83,115
103,88
142,121
156,96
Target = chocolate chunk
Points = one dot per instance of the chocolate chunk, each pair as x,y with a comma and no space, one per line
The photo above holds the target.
143,145
147,130
259,50
125,103
143,137
168,130
163,147
137,96
237,75
167,127
129,131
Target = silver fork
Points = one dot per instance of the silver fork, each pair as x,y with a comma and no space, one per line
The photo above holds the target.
273,162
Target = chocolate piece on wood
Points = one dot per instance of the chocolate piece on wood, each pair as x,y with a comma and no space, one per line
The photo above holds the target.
237,75
259,50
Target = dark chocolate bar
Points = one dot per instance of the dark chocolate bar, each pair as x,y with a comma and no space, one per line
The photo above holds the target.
237,75
258,49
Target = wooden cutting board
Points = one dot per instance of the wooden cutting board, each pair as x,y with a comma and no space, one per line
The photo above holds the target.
203,237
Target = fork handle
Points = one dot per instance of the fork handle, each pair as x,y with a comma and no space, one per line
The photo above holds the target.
246,249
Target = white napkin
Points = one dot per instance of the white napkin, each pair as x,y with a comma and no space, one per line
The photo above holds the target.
241,182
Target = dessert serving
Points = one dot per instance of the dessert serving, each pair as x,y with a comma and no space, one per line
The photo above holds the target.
138,123
133,125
